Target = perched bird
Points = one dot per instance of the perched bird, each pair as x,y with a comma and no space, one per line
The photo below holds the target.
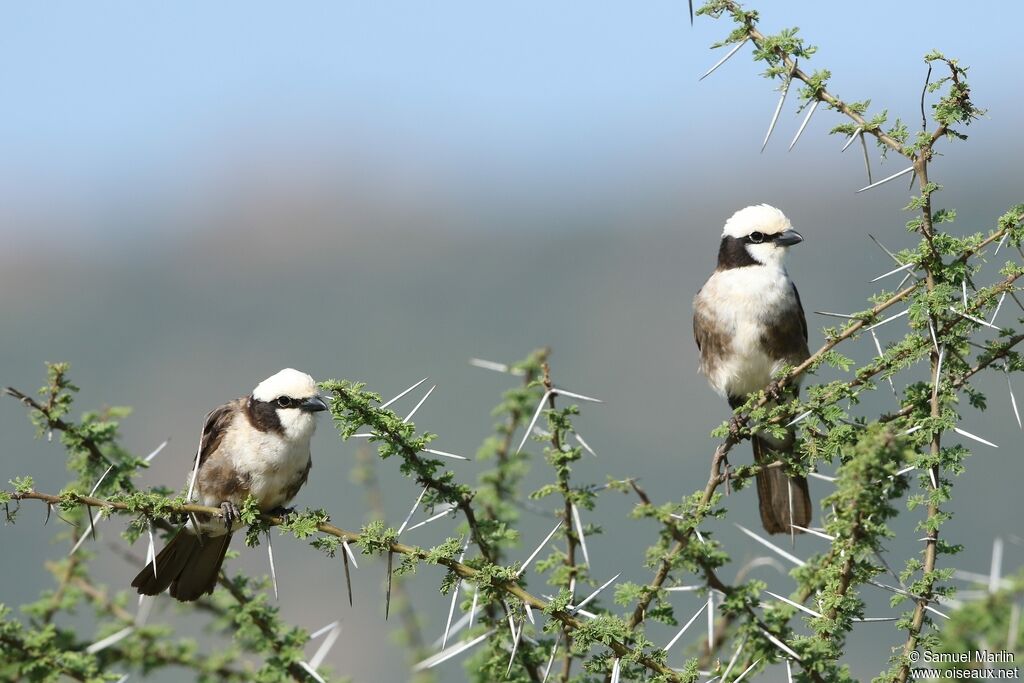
748,322
256,445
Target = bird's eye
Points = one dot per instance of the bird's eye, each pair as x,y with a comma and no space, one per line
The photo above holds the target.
284,402
757,237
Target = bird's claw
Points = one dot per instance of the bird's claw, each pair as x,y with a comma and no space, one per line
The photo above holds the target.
774,391
282,512
230,512
735,426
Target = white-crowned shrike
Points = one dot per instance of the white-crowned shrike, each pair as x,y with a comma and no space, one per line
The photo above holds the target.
257,446
748,322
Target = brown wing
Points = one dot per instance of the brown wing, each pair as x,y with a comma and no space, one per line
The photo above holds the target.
800,308
785,336
710,341
214,427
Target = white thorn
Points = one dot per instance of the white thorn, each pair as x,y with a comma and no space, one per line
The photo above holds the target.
1013,399
195,473
735,656
112,639
867,158
143,610
815,532
807,119
849,140
451,613
793,603
516,635
584,444
802,416
885,180
445,454
781,645
722,61
323,629
529,613
595,593
273,571
768,544
836,315
962,432
711,620
935,339
578,397
538,549
382,406
326,646
551,659
938,371
445,655
999,246
975,319
533,421
911,431
448,508
996,569
747,670
889,319
496,367
892,272
413,411
579,531
789,671
999,304
348,551
151,550
90,531
778,110
312,672
100,480
792,529
616,665
412,511
156,451
819,475
687,625
472,608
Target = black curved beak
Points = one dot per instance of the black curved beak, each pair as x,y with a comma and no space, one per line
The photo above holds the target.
314,404
789,238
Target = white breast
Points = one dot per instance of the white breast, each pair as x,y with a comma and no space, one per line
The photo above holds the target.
268,462
742,300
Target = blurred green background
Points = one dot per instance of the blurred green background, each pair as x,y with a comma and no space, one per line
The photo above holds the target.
193,196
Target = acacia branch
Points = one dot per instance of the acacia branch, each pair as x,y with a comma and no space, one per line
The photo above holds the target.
168,506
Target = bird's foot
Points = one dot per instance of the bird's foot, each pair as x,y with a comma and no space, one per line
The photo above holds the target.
231,513
283,512
735,426
774,391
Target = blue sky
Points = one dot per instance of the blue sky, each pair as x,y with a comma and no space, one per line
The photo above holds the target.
112,99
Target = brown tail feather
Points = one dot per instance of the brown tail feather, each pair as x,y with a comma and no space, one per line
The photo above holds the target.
188,564
783,500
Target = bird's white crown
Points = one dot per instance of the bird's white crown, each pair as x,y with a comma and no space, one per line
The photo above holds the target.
760,218
289,382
